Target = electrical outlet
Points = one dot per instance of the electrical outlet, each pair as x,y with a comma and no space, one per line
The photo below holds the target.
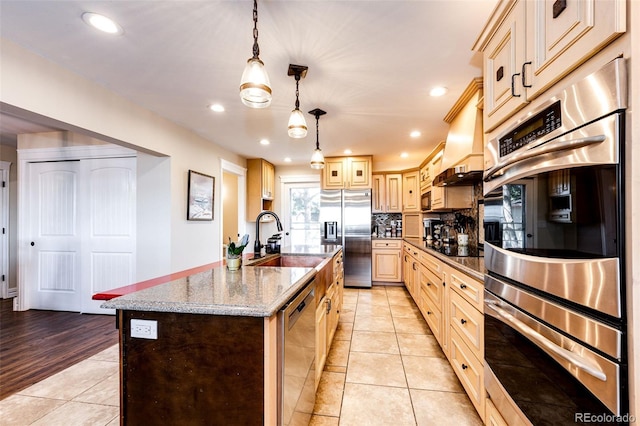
144,329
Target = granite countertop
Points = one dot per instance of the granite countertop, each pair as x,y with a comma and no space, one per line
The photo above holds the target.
251,291
473,266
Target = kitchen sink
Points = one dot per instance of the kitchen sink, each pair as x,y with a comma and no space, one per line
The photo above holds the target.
287,261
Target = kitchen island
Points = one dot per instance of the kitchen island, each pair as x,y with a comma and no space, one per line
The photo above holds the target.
206,350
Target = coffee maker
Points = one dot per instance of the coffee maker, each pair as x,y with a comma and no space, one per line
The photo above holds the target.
432,231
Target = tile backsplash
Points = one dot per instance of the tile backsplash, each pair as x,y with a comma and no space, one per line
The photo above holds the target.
381,221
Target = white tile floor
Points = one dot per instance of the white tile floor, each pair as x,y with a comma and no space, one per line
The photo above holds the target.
384,368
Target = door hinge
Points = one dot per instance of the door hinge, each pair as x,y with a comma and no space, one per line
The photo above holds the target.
3,231
3,277
4,184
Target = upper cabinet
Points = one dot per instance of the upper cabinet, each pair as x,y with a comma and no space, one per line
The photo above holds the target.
386,193
261,177
530,45
411,191
346,173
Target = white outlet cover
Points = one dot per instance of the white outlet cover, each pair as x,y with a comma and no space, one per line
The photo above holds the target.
144,329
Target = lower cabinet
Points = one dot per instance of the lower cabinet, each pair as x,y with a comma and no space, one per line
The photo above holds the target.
469,370
386,264
321,338
328,312
452,305
492,416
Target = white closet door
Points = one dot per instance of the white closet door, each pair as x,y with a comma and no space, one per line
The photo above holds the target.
83,227
109,255
54,258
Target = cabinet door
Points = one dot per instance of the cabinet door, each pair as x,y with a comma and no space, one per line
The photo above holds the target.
410,192
333,173
503,60
359,172
560,39
425,178
393,183
386,265
378,194
268,180
321,338
437,198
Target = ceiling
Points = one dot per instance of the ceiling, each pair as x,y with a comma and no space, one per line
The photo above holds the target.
371,66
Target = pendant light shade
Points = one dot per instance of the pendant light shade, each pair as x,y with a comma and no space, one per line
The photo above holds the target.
297,123
255,88
317,159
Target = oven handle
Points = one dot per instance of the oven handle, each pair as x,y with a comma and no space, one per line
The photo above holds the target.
544,149
579,362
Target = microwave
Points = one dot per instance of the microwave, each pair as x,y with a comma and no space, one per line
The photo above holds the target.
425,201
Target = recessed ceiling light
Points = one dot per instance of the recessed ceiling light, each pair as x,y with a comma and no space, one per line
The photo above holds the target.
438,91
287,159
264,141
348,151
415,134
216,107
404,155
102,23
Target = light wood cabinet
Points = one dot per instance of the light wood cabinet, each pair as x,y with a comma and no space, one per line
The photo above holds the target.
386,194
328,311
425,178
260,187
452,304
347,173
492,415
411,191
445,198
469,370
386,259
536,43
321,338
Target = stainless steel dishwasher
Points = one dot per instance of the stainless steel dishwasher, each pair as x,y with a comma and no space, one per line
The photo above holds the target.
297,346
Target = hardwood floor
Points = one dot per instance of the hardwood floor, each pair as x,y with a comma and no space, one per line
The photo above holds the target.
36,344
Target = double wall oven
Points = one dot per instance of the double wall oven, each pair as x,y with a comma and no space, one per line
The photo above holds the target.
555,321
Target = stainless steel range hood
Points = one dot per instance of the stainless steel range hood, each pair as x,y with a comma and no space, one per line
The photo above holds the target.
462,160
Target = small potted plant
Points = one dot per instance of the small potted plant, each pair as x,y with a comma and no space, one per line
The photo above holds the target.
234,252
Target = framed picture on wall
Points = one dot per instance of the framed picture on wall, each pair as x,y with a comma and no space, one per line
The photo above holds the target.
200,198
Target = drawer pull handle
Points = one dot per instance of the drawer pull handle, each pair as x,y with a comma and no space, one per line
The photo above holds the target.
463,286
428,312
463,321
428,284
465,366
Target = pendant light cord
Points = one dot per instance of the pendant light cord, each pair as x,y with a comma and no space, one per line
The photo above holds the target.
297,93
256,48
317,131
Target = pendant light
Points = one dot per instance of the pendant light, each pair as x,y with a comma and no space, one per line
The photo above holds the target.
297,123
317,159
255,88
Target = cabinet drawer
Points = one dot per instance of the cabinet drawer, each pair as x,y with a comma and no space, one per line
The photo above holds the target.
468,288
469,370
386,244
432,315
337,264
468,322
492,416
432,263
432,285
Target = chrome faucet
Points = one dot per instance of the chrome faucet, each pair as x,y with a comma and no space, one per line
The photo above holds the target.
257,246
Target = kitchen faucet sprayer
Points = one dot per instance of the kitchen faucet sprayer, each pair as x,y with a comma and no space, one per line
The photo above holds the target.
257,246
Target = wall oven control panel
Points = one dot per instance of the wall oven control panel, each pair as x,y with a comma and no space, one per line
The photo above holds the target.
541,124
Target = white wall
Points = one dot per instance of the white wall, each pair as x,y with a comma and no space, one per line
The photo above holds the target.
31,85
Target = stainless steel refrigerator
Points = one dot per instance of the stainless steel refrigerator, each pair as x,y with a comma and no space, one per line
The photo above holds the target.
345,219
